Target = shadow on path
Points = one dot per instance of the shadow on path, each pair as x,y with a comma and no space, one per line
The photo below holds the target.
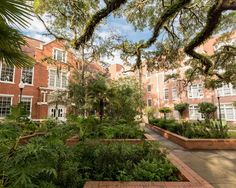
218,167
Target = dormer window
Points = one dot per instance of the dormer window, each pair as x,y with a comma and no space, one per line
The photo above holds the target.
59,55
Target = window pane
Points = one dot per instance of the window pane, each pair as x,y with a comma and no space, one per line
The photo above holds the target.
27,75
59,55
26,101
149,102
52,78
64,80
174,93
149,88
7,73
166,93
5,106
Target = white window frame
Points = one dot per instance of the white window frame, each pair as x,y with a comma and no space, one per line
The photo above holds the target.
165,94
221,107
13,80
55,85
192,95
222,93
31,100
197,115
7,95
148,88
21,77
174,97
53,50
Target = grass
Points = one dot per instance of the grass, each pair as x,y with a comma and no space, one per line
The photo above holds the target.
232,134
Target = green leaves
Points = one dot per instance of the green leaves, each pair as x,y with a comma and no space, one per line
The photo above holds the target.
13,13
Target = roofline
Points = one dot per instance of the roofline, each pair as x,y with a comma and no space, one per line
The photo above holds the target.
33,38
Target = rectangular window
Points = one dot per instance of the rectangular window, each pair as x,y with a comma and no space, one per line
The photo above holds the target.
149,88
226,90
27,103
59,55
166,94
27,75
195,91
149,102
57,79
5,105
6,73
193,112
228,112
174,94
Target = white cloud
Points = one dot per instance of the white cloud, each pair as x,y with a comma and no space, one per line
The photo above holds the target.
113,60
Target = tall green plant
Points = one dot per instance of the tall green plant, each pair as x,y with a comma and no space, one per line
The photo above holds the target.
207,109
165,111
181,107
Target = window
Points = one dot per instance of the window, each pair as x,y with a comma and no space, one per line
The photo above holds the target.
193,112
174,94
228,112
27,103
195,91
27,75
59,55
149,88
6,73
149,102
166,94
57,79
226,90
5,105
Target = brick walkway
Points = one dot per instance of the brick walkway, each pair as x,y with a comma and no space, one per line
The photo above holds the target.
218,167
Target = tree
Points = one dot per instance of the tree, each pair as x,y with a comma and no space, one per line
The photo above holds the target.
181,107
207,109
175,21
14,13
165,111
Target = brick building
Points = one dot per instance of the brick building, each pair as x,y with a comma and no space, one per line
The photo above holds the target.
50,73
160,93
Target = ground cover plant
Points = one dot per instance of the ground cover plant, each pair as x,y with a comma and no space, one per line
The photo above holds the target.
47,161
198,129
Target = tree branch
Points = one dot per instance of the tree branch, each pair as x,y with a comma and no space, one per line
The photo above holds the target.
95,20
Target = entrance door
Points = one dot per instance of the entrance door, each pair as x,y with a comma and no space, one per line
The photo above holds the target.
58,112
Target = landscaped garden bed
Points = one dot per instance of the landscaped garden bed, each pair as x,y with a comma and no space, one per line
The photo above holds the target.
197,135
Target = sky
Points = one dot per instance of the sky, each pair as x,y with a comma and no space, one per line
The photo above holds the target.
115,25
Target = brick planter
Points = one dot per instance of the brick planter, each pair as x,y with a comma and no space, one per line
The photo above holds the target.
75,140
192,180
195,144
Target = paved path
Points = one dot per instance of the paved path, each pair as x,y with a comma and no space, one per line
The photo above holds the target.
218,167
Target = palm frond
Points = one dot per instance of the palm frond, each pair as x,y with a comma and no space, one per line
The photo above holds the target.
11,42
15,12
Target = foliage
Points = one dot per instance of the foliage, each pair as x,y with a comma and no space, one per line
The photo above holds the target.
181,107
13,13
18,112
117,99
150,111
125,130
207,109
47,162
165,111
199,129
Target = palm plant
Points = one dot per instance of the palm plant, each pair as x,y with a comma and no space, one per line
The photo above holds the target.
13,13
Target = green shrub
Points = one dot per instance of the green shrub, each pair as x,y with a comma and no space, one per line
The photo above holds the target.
207,109
181,107
165,111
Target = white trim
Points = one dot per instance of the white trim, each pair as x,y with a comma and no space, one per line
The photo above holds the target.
164,96
55,87
198,94
13,76
234,111
59,49
6,95
26,84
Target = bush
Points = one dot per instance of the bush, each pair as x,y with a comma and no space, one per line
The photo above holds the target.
165,111
207,109
181,107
